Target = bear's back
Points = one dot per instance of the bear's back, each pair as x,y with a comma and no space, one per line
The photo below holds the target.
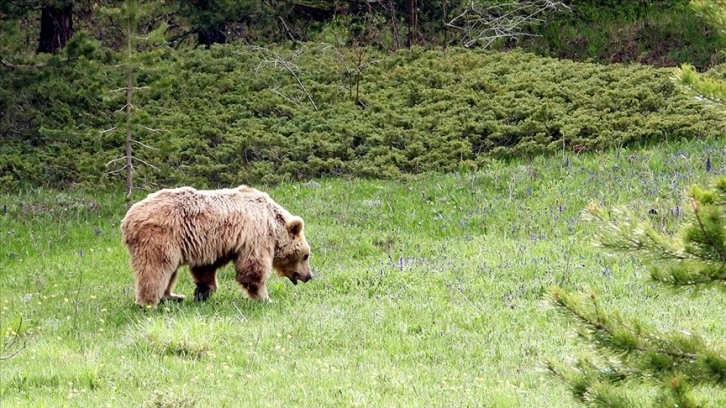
194,219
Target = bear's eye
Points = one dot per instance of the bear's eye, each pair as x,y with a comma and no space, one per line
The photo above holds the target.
305,258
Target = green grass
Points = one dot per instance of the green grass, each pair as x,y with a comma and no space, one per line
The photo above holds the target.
430,291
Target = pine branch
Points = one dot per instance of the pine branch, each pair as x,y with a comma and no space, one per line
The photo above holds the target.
694,257
690,274
706,89
614,334
631,344
593,383
709,231
620,231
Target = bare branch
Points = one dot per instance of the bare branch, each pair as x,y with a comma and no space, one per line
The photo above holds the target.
117,170
128,105
108,130
16,66
145,162
150,25
483,22
143,145
177,39
16,352
287,29
275,91
150,129
277,60
115,160
124,89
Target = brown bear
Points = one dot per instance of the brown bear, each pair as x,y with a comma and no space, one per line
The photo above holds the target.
207,229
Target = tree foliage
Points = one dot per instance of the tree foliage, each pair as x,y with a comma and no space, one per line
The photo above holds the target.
132,61
236,113
631,351
578,29
705,87
214,21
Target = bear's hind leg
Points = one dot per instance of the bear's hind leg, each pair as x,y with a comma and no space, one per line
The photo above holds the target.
169,292
154,275
206,279
150,287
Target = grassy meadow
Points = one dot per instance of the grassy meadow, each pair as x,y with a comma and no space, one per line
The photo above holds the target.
430,291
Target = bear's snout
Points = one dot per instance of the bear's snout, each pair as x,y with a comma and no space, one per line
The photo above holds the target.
299,277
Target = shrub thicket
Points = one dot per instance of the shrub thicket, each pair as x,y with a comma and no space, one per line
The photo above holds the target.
233,114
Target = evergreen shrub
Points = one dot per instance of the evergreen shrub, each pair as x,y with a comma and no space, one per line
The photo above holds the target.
231,115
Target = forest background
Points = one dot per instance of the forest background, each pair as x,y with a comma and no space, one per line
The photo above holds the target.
215,93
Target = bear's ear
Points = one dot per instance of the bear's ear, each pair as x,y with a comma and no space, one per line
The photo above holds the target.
295,226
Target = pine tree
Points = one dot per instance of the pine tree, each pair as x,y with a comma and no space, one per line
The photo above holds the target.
628,351
706,88
128,16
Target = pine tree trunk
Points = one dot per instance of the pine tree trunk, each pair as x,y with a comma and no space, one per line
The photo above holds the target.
394,25
446,28
129,106
56,27
412,20
128,140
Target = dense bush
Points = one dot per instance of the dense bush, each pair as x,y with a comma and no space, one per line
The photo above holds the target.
232,114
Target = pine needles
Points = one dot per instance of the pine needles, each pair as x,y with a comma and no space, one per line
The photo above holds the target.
628,351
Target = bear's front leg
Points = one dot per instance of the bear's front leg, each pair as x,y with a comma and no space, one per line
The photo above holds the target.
252,276
206,279
169,294
256,291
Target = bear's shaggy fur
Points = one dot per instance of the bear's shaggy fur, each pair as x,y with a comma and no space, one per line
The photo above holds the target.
206,230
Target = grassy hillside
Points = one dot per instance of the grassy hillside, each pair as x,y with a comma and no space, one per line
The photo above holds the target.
236,114
429,292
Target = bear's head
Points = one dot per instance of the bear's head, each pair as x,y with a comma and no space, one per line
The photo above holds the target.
292,252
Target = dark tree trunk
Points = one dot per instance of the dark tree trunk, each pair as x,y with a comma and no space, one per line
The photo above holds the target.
446,28
412,21
209,31
56,27
209,36
394,25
